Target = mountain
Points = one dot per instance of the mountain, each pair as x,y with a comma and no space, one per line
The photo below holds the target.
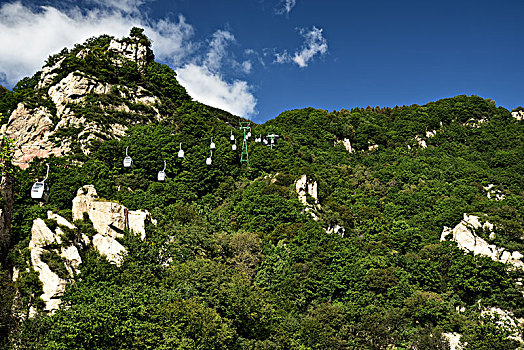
364,228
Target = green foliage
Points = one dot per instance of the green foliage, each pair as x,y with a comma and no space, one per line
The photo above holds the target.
55,262
235,261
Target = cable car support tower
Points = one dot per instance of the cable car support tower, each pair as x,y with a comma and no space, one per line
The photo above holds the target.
244,157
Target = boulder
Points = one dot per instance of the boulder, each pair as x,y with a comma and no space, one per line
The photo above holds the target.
110,220
43,239
31,130
466,238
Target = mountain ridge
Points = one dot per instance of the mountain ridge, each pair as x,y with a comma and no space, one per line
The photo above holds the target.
239,256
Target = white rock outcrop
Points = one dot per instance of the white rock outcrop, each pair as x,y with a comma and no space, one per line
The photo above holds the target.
346,143
467,240
493,193
454,340
421,142
42,239
132,50
31,130
305,188
73,88
336,229
519,115
506,320
110,220
49,73
430,134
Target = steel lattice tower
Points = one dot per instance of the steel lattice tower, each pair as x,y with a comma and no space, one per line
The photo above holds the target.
245,154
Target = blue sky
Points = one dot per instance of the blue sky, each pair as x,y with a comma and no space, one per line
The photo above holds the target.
258,58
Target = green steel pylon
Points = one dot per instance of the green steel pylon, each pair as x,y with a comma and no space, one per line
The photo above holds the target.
272,137
244,157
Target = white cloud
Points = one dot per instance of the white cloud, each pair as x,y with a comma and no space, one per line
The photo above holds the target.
32,36
217,49
281,57
29,36
246,67
285,7
209,87
128,6
314,44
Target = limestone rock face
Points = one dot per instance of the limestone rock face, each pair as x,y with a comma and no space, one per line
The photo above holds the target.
467,240
506,320
519,115
44,239
421,142
494,193
73,88
49,73
305,188
132,50
346,143
454,340
36,128
110,220
31,129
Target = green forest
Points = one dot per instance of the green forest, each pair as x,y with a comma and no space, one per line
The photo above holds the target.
234,260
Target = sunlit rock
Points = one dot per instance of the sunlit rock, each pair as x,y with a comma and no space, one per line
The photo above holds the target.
466,238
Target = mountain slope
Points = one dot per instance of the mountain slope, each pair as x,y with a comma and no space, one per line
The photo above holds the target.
245,257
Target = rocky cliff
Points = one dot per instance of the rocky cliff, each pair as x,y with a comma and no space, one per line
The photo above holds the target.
466,238
72,106
56,243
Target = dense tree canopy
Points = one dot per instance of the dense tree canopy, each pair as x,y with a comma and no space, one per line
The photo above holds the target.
235,262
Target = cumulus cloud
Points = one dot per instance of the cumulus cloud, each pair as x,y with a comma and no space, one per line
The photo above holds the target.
129,6
203,80
285,7
209,87
314,44
30,35
217,49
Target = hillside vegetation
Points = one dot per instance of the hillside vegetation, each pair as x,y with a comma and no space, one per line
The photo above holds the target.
235,262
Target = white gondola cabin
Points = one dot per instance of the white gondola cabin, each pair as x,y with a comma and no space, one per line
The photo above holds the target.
162,173
212,145
232,137
128,162
234,146
40,189
181,151
208,160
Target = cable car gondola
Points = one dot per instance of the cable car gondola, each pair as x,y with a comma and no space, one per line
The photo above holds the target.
128,162
232,137
234,146
181,151
208,160
40,189
212,145
162,173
